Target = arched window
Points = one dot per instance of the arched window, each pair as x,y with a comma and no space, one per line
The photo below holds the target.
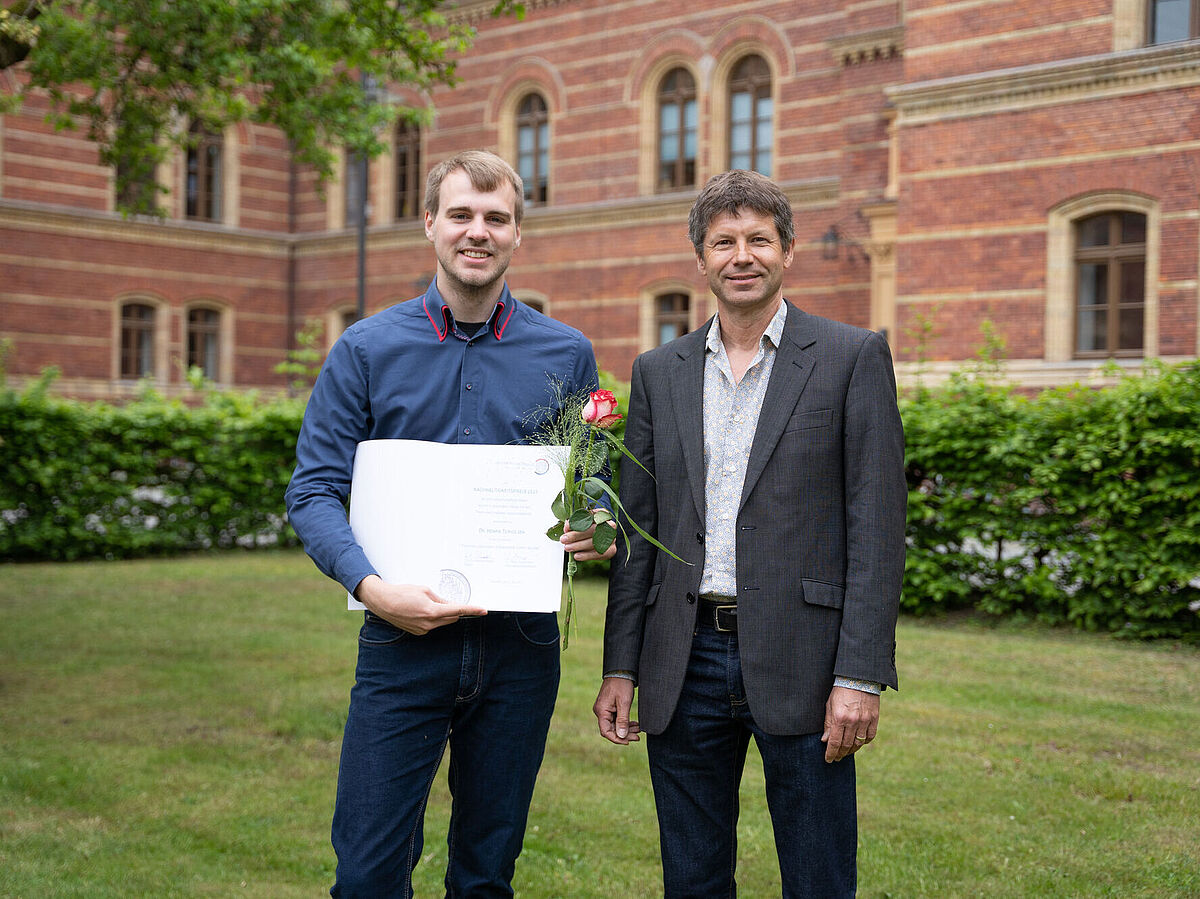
1172,20
203,186
137,340
671,316
406,154
1110,284
677,130
533,147
204,341
750,116
355,192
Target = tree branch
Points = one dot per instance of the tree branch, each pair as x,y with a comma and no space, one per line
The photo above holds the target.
13,46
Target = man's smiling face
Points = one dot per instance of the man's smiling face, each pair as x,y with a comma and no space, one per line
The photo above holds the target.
474,234
744,260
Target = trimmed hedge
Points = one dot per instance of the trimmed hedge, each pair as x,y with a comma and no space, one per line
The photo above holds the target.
154,476
1076,506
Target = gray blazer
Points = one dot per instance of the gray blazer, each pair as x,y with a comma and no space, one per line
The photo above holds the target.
820,530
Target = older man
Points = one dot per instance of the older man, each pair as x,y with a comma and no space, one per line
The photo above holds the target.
775,456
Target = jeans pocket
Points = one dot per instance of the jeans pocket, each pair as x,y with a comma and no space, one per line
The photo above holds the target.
538,628
377,632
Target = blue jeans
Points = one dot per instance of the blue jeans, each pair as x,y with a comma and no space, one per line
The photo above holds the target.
484,686
696,768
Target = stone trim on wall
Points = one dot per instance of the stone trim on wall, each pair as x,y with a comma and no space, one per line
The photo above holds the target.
1088,78
868,46
466,12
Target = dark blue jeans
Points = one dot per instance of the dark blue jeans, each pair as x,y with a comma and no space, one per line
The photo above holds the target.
696,768
485,686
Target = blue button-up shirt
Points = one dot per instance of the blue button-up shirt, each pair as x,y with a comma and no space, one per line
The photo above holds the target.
410,373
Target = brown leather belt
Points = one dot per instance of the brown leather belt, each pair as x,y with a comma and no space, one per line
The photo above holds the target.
720,616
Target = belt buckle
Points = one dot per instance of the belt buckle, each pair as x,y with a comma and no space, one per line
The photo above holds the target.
730,608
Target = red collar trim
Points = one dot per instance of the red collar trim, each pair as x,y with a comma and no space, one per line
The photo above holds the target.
443,330
501,317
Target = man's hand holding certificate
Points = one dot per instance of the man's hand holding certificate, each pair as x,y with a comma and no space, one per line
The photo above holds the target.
458,525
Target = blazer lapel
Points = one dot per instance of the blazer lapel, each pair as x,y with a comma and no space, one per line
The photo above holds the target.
789,375
687,394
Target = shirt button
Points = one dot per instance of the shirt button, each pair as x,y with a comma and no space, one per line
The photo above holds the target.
469,386
467,431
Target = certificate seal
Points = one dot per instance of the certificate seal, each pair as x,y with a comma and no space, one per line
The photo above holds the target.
454,586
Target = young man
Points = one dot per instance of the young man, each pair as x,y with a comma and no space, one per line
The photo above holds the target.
777,456
464,363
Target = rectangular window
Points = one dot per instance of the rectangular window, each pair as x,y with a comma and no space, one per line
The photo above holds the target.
1172,20
203,189
671,317
137,341
1110,285
204,341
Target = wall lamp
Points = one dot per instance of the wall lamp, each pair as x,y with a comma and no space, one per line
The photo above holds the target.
832,240
829,243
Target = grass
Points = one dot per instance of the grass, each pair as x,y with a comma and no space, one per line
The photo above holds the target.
171,728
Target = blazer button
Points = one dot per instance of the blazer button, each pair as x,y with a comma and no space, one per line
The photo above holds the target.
691,597
699,537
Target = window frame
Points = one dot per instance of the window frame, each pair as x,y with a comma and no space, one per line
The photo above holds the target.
678,96
210,332
760,86
680,317
1193,23
137,350
406,163
537,185
1113,255
205,201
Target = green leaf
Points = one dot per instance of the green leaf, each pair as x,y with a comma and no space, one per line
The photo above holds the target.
581,520
603,538
560,509
556,531
593,487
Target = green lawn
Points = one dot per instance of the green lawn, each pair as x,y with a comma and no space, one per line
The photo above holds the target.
171,728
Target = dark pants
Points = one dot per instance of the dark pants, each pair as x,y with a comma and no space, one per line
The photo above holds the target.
696,768
484,686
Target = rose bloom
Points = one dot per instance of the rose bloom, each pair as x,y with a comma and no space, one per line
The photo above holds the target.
601,409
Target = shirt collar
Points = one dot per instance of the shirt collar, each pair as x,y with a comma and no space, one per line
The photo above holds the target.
773,334
442,319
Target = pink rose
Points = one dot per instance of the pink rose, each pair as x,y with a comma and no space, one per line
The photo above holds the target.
601,409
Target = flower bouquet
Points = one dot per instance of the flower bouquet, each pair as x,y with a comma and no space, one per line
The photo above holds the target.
581,426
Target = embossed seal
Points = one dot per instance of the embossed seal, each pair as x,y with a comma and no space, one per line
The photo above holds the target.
454,586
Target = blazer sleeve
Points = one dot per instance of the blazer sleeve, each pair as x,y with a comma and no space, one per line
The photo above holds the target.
876,497
633,565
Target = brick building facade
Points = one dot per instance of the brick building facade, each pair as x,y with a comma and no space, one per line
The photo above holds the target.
1025,169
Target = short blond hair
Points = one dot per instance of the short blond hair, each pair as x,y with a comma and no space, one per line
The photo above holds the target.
487,172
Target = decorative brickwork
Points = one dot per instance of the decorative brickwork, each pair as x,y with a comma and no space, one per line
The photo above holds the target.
950,148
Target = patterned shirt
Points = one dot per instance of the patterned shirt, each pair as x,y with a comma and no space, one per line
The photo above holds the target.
731,413
730,420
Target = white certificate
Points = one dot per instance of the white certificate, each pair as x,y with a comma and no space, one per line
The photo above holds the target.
467,520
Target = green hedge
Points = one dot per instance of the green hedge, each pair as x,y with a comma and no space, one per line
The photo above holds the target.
1075,506
154,476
